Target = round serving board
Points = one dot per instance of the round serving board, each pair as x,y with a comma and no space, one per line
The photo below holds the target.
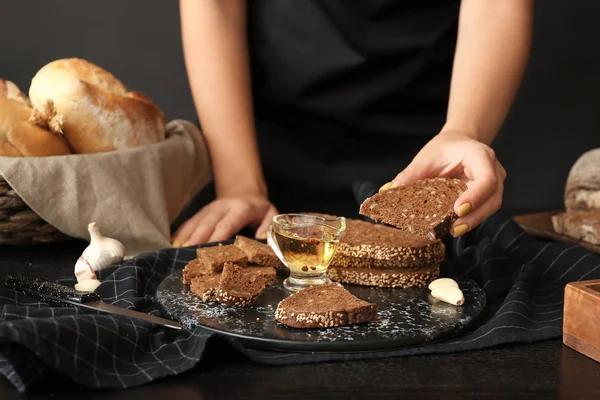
407,317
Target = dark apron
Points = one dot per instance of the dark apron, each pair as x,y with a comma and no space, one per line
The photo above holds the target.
317,172
346,90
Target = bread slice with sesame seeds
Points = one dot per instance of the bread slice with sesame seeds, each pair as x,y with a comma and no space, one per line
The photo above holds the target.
399,278
368,245
206,286
269,273
214,257
240,286
324,306
424,208
195,269
257,252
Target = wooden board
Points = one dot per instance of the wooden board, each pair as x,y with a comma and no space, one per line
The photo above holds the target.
581,323
540,225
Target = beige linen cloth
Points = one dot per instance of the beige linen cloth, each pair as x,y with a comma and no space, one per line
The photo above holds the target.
133,195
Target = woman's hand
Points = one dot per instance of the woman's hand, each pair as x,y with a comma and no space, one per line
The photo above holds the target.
223,218
456,154
492,51
216,56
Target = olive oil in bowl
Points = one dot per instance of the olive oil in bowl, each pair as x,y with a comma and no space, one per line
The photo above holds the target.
306,245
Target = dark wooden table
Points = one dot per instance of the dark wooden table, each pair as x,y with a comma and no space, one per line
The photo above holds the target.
536,370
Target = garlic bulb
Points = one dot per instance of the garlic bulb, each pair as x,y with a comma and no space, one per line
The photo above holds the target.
101,253
83,270
87,285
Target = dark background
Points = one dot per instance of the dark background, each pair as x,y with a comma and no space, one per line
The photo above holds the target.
555,118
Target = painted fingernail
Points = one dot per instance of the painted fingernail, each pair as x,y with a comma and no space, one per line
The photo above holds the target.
464,209
263,235
177,243
460,230
186,244
386,187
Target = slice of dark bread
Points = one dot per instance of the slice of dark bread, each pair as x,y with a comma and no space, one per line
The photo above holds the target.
579,225
257,252
269,273
368,245
206,286
240,286
324,306
402,278
424,207
194,269
215,257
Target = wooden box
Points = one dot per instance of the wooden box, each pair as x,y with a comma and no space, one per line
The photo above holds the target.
581,322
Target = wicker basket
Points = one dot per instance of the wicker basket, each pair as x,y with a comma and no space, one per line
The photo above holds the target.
19,224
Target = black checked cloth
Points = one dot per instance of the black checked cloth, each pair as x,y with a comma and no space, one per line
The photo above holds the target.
523,277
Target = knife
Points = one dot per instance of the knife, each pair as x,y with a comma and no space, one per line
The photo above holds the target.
59,295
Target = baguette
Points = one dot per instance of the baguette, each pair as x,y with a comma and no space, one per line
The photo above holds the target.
11,91
97,111
19,137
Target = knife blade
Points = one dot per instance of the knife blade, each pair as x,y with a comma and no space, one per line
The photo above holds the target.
59,295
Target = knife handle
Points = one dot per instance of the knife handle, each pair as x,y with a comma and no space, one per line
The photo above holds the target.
49,292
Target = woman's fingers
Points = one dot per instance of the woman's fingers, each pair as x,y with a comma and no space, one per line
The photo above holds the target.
261,232
223,218
205,227
417,169
185,231
492,203
237,217
480,168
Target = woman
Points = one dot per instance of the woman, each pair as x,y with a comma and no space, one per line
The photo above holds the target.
297,99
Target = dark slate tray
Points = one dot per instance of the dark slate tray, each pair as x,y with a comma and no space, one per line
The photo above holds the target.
407,317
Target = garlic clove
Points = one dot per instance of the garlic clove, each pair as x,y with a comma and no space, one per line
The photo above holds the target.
449,294
83,270
441,282
432,300
87,285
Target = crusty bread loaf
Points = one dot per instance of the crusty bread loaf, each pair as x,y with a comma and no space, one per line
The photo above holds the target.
580,225
403,278
582,190
19,137
97,111
424,208
11,91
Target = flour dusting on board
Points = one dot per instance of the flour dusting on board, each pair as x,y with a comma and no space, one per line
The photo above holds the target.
406,318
